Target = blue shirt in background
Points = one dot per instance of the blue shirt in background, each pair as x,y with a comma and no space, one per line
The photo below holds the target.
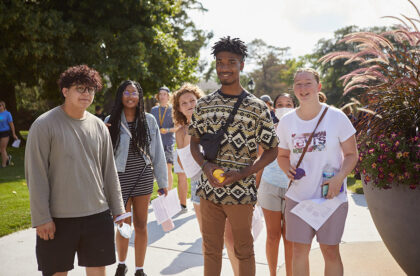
5,119
168,139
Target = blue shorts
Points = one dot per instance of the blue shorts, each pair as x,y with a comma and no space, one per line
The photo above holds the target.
169,154
195,180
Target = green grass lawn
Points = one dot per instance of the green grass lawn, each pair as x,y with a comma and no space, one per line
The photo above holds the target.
14,196
354,185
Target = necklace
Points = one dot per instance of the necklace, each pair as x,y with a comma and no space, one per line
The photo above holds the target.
161,118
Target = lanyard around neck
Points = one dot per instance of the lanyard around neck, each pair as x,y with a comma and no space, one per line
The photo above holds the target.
161,118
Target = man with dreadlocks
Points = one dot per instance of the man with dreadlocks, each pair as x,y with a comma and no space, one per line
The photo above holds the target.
72,179
233,198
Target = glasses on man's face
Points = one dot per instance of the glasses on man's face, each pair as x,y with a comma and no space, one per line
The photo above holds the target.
132,94
82,89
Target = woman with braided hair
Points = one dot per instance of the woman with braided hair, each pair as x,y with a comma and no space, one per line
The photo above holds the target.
137,146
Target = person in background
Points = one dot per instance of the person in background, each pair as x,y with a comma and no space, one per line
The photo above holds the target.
184,101
6,127
72,180
271,192
349,112
182,181
137,146
322,97
234,197
269,103
330,157
163,116
99,112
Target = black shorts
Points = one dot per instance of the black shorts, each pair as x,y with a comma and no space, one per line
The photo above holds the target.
4,133
92,237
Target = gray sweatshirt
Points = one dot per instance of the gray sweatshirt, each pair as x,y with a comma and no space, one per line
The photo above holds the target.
70,168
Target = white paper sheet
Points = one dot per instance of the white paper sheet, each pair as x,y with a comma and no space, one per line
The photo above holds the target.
315,212
257,222
16,143
189,165
166,207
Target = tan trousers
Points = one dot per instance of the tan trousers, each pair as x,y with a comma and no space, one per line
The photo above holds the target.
213,227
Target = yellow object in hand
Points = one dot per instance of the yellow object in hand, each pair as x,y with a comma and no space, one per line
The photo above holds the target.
218,175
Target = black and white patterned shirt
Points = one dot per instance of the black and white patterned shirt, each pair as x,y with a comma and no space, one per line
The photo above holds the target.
252,126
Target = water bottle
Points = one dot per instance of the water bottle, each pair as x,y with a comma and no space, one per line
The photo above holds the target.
327,173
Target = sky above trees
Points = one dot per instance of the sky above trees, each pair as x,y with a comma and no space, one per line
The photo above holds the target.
297,24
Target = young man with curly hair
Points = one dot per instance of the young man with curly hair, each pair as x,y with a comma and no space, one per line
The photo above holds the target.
233,198
72,179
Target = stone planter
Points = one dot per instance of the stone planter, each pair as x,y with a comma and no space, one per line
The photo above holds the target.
396,214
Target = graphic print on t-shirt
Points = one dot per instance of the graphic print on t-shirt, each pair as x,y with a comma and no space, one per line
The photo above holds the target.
317,144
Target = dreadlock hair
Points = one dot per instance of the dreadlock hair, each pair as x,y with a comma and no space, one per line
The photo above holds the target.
232,45
141,135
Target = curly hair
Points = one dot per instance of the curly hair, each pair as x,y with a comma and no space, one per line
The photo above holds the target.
232,45
177,115
141,135
80,74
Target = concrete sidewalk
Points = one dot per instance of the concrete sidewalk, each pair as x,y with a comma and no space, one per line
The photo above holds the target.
179,251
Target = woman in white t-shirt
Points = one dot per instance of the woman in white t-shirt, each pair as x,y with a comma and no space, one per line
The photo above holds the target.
272,186
332,151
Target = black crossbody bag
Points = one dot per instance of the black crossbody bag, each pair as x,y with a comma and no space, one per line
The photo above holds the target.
211,141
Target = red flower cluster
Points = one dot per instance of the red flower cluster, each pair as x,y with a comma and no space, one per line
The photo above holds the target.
386,160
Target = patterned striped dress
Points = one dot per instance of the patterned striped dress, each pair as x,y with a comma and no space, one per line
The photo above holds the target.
131,184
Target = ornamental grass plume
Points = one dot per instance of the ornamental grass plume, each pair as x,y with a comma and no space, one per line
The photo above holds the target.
389,76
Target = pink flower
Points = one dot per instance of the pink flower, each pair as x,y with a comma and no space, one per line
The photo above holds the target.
380,169
373,165
413,187
391,175
367,178
397,144
364,171
372,150
390,161
407,175
393,135
381,176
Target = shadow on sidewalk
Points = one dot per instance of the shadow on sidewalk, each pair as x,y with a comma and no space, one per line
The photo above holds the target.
155,231
186,259
360,200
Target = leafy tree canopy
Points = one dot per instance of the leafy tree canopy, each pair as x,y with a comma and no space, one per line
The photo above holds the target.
149,41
